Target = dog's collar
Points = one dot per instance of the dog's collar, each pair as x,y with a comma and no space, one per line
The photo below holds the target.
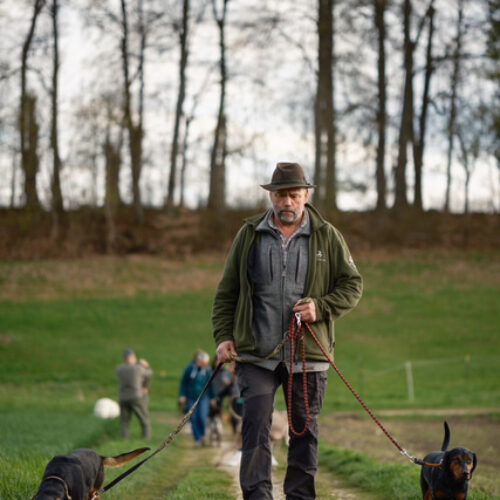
64,483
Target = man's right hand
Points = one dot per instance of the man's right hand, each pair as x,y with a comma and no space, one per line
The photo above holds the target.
226,351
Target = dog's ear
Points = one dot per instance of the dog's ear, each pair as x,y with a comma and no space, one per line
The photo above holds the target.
445,461
474,463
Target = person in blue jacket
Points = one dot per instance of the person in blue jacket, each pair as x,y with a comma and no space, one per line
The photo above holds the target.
194,378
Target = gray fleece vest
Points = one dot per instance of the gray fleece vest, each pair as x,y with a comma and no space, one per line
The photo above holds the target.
278,274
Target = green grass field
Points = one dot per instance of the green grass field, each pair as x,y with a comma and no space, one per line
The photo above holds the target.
57,356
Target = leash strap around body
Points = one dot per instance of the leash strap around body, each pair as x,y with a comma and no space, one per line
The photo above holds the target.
298,331
167,441
64,483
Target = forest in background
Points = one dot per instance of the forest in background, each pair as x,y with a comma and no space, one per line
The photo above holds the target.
390,105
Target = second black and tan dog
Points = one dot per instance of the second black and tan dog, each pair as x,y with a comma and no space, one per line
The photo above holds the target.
79,475
449,480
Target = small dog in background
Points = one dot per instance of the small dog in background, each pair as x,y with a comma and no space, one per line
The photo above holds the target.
79,475
214,427
277,433
449,480
279,427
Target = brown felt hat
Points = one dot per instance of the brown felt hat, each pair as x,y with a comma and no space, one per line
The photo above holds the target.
287,176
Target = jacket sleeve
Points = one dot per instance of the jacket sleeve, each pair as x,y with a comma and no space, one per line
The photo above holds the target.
227,293
184,382
347,284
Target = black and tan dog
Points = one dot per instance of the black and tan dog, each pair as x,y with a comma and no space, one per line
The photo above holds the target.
79,475
449,480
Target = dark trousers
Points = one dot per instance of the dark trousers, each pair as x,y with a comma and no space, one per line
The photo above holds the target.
139,407
258,387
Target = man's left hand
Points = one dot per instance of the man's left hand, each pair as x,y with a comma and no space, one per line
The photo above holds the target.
307,310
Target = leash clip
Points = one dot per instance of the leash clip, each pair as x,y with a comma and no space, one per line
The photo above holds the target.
408,456
297,318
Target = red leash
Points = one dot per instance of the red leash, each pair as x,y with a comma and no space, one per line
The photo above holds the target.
293,334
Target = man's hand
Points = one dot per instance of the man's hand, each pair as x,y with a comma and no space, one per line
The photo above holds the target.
226,351
307,310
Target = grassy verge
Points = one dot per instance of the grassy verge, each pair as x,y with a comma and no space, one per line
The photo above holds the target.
382,479
29,439
204,482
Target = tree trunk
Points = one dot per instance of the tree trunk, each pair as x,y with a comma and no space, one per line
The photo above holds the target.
419,146
187,124
57,200
180,102
28,128
216,196
380,7
13,179
406,127
112,200
455,77
135,132
29,154
325,175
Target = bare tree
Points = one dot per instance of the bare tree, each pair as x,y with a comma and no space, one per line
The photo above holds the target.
183,45
419,139
216,195
324,117
452,117
57,201
188,119
406,127
380,7
472,133
28,127
134,127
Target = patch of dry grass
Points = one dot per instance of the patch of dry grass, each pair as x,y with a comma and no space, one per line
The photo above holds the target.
106,277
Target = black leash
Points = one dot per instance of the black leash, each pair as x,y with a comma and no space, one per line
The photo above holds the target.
167,441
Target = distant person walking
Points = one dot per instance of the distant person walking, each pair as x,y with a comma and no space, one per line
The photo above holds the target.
134,378
193,380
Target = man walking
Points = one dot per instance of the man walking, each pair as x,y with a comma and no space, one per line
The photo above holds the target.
134,378
286,261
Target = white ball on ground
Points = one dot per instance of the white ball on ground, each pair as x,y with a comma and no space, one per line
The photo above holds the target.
106,408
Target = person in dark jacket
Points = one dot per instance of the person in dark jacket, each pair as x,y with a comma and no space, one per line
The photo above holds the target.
288,260
193,380
134,378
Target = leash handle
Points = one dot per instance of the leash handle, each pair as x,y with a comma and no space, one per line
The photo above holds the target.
167,441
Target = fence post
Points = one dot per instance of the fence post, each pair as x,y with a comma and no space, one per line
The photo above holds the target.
409,381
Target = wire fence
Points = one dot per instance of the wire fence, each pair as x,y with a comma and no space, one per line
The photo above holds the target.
408,368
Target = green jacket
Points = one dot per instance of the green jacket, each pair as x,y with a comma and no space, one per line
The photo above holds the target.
333,282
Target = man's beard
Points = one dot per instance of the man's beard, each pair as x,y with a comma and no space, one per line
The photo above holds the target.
287,216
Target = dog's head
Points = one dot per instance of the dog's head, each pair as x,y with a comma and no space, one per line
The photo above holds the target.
460,463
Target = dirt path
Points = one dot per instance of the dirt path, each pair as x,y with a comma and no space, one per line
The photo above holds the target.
327,485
